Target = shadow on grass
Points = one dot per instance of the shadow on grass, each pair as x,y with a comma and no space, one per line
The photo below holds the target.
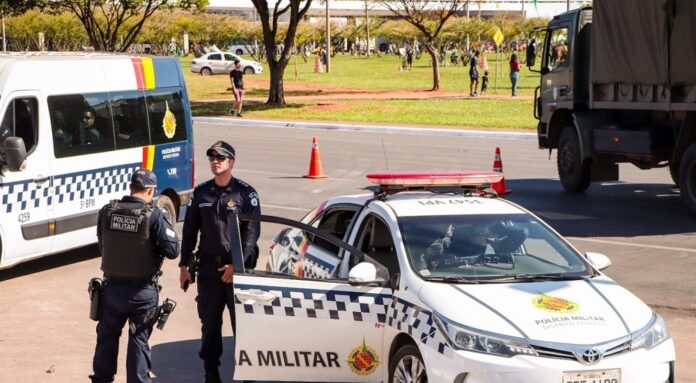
222,108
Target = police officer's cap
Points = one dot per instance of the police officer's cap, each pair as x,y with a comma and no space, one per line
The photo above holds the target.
144,178
221,147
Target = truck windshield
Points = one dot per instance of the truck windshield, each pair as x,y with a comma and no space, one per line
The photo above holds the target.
488,248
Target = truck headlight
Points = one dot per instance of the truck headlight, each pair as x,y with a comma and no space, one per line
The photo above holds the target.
652,335
480,341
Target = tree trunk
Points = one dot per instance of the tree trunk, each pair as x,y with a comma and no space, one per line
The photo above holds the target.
436,65
276,94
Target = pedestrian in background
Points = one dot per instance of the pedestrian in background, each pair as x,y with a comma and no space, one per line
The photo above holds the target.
514,73
134,237
237,82
214,204
474,74
484,83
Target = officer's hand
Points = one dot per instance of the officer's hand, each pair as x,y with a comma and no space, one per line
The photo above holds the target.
227,273
184,276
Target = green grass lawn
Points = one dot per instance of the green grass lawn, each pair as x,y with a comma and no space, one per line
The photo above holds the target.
380,74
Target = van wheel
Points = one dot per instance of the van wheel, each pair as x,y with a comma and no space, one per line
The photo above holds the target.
206,72
687,177
249,70
166,204
573,171
239,52
407,366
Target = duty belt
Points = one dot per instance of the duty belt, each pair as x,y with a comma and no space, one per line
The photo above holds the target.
207,259
129,281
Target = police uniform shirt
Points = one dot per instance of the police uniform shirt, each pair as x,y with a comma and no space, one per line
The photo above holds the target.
162,233
209,213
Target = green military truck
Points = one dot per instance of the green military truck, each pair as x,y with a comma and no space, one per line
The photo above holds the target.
618,85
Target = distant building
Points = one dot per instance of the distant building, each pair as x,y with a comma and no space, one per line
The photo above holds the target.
344,9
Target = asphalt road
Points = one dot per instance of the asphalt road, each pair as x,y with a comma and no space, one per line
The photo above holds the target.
639,223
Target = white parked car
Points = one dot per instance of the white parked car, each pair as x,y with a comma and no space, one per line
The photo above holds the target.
223,63
455,285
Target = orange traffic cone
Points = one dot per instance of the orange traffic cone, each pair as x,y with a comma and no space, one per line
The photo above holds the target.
315,162
499,186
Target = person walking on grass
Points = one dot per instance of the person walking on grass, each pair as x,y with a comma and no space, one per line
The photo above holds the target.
514,73
237,82
474,74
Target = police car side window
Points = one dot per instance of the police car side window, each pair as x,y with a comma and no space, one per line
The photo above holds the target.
21,120
336,223
81,124
130,119
165,108
376,241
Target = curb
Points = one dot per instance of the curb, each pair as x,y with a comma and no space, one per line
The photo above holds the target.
367,128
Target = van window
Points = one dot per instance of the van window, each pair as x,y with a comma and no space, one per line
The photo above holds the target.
130,119
81,124
21,120
167,117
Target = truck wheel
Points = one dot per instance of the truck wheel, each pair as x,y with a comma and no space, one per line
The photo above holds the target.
687,177
572,170
166,204
407,366
674,172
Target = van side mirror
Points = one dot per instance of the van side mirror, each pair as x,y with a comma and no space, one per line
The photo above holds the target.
599,261
545,70
14,154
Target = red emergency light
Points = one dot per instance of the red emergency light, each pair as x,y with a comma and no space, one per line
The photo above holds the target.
435,179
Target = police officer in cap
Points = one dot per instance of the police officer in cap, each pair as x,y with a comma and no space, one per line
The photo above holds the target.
214,204
134,237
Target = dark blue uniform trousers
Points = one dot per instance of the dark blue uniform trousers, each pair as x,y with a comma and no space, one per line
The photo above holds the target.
213,296
122,301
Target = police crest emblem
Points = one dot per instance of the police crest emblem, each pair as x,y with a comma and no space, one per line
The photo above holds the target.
169,122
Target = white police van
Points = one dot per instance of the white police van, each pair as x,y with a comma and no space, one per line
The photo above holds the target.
73,128
449,286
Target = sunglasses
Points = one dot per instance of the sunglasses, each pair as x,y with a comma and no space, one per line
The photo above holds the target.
217,157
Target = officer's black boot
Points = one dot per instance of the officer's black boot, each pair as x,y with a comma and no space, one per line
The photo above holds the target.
212,377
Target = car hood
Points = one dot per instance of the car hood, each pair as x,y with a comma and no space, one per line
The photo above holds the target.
576,312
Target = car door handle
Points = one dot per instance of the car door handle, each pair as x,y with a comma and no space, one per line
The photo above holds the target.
255,296
40,180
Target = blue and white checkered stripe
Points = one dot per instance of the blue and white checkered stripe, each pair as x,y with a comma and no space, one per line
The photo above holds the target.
418,323
350,306
20,195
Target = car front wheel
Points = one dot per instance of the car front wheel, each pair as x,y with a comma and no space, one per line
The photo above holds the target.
407,366
206,72
249,70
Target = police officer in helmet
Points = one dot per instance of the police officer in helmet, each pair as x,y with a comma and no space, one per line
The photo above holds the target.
213,206
134,237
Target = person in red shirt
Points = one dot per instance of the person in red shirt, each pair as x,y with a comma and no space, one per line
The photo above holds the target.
514,73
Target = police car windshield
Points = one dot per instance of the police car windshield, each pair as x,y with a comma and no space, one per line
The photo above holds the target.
487,248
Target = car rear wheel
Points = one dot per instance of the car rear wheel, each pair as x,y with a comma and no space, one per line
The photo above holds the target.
206,72
407,366
249,70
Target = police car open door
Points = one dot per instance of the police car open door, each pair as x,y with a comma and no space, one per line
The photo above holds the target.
303,318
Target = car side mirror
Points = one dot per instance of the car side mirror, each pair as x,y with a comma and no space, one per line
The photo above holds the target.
364,274
15,154
599,261
545,70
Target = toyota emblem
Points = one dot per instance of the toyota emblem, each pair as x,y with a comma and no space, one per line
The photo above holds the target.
590,356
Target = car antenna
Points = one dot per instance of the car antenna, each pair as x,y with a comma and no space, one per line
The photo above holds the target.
384,149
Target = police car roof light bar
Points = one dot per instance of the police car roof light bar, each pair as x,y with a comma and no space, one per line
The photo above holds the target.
390,183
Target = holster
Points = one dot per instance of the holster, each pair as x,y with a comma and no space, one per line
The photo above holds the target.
194,264
95,288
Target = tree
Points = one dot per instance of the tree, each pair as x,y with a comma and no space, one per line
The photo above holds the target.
13,8
429,17
271,31
113,25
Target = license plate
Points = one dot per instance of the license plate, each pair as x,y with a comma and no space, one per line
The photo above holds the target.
602,376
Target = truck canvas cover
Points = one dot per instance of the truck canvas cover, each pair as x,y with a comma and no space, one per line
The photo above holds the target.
629,39
683,43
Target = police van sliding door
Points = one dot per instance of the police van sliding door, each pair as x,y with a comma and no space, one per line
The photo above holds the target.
300,320
27,196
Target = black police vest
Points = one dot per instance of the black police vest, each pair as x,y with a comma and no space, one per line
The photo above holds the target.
127,251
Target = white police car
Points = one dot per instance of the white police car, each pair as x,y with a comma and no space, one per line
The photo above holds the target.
449,286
